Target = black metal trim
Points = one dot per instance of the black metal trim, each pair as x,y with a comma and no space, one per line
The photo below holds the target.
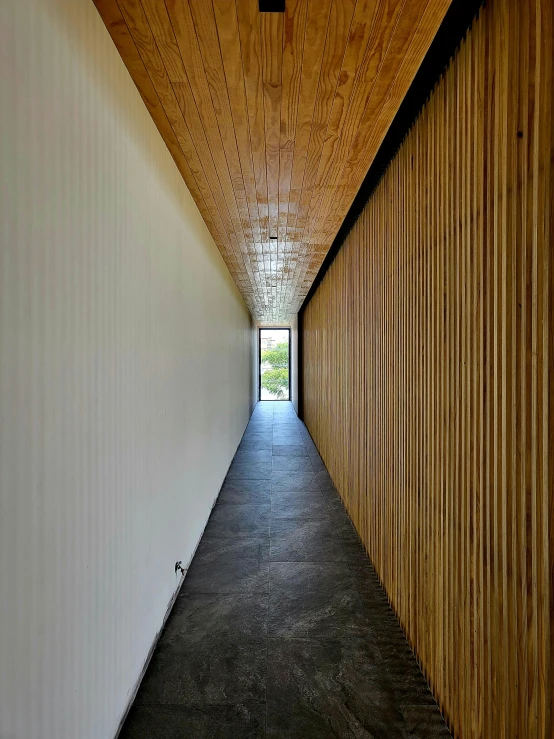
452,30
300,364
271,328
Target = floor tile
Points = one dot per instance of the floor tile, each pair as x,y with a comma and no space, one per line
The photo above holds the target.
292,465
305,576
232,549
289,450
238,521
252,445
206,722
249,471
304,541
239,492
216,671
425,722
262,455
294,481
317,614
303,508
195,618
349,699
225,575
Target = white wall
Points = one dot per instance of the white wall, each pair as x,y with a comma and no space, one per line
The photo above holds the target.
125,375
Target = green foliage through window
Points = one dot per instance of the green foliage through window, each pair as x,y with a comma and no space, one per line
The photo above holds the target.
276,379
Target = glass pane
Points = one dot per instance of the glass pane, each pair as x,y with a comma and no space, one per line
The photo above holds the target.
274,363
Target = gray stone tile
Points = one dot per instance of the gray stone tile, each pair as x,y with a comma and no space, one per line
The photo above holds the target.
251,490
238,521
214,672
195,618
249,471
302,577
246,721
294,481
290,497
303,508
317,614
328,689
210,550
252,445
225,575
355,553
292,465
262,455
236,493
303,541
283,438
324,480
425,722
289,450
366,580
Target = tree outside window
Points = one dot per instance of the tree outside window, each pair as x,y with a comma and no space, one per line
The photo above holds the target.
275,370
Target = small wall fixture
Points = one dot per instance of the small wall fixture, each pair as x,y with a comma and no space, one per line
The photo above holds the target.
272,6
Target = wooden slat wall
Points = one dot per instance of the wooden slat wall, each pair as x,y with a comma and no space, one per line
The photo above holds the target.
428,378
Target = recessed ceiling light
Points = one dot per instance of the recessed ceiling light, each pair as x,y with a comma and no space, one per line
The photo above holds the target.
272,6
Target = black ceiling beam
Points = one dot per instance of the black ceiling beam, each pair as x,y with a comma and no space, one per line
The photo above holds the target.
459,17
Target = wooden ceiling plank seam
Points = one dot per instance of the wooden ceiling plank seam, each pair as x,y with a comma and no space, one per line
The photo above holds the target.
295,25
380,108
271,34
182,136
134,31
324,104
302,144
312,128
322,110
371,134
169,50
203,18
121,36
324,192
359,38
292,31
348,106
220,178
227,33
251,56
184,30
231,175
209,45
316,41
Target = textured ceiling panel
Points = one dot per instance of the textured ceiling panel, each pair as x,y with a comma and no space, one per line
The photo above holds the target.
273,118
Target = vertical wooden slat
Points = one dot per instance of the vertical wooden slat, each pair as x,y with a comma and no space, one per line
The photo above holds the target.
429,378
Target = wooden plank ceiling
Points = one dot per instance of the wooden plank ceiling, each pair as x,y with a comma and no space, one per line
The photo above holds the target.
273,118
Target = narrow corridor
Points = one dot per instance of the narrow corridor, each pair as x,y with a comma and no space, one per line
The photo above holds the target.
281,628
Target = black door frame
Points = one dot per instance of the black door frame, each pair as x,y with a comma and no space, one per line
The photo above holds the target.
270,328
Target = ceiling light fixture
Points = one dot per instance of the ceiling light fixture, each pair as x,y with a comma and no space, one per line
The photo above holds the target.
272,6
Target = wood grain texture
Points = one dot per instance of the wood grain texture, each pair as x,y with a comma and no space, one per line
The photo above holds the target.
429,378
273,119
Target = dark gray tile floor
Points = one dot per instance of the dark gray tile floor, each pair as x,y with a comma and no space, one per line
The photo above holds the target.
281,628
